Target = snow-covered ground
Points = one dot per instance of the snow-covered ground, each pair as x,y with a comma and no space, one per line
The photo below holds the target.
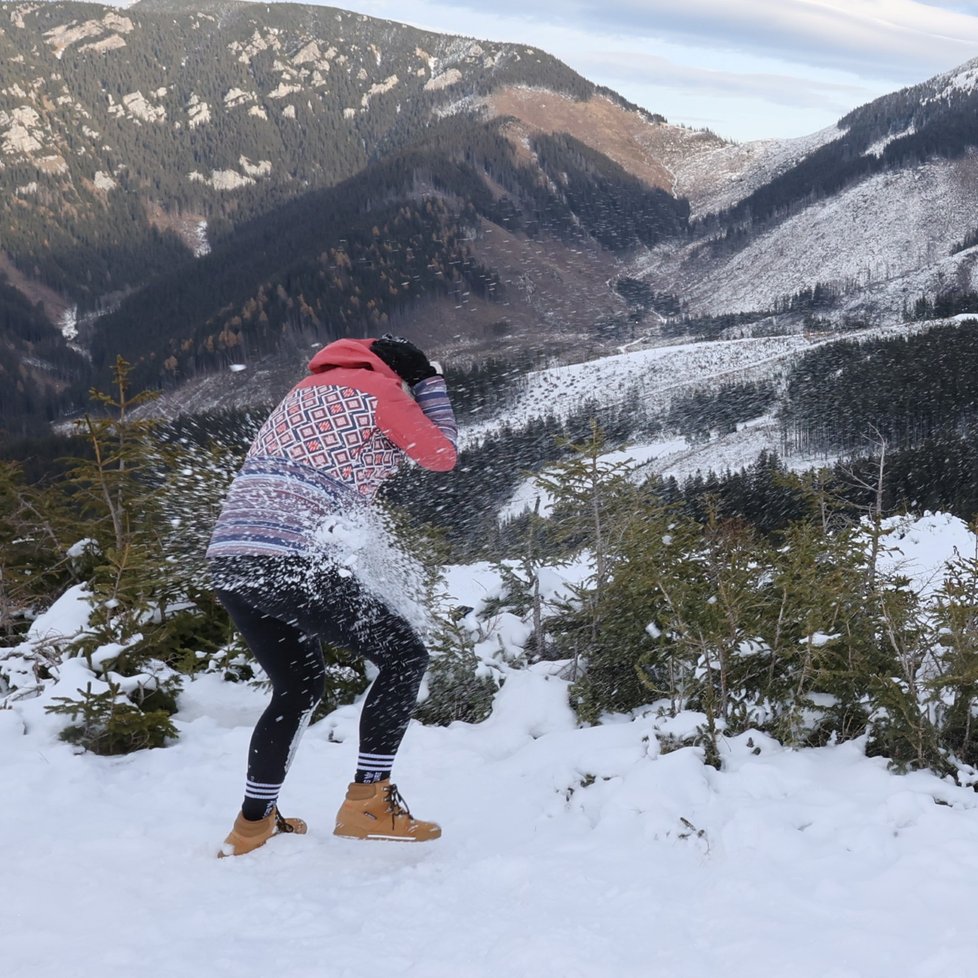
681,459
567,851
885,240
720,176
653,377
801,863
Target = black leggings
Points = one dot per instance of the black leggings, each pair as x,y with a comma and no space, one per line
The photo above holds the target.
283,607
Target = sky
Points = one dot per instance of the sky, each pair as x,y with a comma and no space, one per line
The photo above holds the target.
747,69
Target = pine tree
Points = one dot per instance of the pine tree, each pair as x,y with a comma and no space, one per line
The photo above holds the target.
594,501
954,682
145,623
821,639
633,656
521,583
116,491
37,558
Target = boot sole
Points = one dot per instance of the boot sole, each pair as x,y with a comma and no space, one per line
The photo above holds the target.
228,848
383,838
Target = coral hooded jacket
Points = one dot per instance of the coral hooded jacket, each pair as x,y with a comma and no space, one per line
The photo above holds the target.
335,438
399,415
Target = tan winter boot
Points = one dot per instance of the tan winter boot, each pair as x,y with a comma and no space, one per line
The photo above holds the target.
377,811
247,835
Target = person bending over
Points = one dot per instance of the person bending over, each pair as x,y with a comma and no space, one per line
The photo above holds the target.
297,556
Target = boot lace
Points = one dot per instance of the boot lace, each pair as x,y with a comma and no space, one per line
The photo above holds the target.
396,805
281,824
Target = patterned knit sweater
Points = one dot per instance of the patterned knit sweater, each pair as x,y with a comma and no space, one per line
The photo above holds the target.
327,448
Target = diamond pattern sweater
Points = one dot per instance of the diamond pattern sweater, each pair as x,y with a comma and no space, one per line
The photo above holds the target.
328,447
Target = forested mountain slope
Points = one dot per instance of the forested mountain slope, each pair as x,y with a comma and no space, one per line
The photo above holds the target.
881,210
163,144
199,186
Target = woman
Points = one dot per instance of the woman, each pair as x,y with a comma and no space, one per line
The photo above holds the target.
296,557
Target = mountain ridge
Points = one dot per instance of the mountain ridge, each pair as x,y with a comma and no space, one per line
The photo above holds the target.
163,144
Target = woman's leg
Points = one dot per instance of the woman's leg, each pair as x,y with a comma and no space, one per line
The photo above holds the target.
401,658
293,662
323,602
343,614
373,807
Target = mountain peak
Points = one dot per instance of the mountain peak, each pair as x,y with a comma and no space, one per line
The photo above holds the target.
963,79
199,183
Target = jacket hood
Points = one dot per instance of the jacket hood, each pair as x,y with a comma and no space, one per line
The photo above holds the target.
350,354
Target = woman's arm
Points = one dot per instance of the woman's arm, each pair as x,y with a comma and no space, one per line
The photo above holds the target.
423,425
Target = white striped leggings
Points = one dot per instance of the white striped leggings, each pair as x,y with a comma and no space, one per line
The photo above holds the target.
283,606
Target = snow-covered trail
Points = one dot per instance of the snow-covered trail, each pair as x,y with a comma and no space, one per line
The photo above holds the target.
807,864
656,374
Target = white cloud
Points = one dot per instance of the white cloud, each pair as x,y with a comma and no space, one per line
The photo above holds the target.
633,67
770,67
865,37
861,36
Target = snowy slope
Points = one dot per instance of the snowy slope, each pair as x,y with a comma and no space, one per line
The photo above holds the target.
872,234
567,852
655,375
958,81
722,175
681,459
